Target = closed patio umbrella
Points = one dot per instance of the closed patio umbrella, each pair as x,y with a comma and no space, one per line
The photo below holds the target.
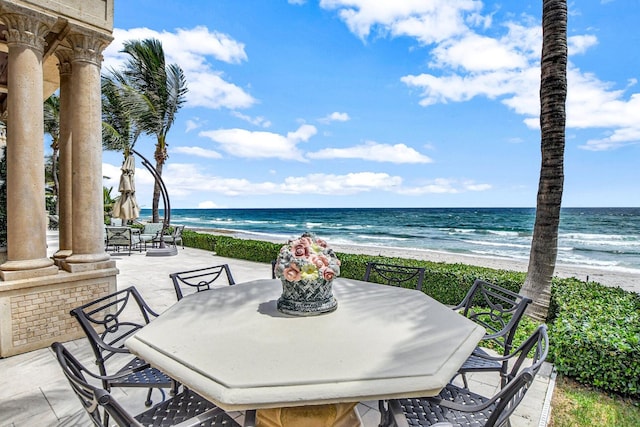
126,207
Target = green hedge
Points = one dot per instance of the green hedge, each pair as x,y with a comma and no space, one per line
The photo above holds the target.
594,330
596,335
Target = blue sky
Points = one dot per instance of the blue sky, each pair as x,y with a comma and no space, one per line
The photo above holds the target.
376,103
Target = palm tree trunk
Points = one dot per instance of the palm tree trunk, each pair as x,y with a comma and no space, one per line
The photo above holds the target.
553,93
156,195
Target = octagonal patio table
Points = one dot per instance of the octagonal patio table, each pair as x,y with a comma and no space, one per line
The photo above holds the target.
235,348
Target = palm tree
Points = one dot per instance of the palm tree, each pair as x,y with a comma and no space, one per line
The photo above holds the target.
51,112
108,201
162,89
553,94
119,104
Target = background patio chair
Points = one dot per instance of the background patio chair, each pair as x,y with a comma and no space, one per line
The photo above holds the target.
395,275
107,327
200,279
150,233
126,237
499,311
457,406
186,407
175,236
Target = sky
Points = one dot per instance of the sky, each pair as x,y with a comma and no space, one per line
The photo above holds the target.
376,103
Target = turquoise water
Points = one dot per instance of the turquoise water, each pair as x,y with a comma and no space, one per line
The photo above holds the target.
606,238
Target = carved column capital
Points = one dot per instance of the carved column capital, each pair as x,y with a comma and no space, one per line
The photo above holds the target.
87,47
64,60
26,30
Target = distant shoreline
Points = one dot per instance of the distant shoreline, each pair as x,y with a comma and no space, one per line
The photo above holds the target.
624,280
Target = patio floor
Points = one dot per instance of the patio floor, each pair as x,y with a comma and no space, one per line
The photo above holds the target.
35,392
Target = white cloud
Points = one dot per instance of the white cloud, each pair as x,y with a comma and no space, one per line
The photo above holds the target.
257,121
260,144
297,2
373,151
208,204
193,124
192,49
335,117
186,179
470,61
442,186
476,53
427,21
581,43
198,152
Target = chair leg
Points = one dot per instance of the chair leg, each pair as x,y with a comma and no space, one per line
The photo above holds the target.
149,402
464,380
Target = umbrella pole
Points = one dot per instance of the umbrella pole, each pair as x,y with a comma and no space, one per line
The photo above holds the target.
162,250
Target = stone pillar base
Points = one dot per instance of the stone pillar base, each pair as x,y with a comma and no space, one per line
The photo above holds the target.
8,275
34,312
76,267
61,255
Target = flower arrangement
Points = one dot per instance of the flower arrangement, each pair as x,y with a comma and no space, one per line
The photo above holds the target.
307,259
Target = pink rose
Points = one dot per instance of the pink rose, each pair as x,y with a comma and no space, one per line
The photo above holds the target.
300,249
292,273
317,261
328,274
321,243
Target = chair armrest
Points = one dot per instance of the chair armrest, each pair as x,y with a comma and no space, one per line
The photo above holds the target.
121,374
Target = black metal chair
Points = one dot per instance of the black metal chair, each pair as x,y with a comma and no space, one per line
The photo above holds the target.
117,237
175,236
200,279
457,406
107,328
184,409
395,275
499,311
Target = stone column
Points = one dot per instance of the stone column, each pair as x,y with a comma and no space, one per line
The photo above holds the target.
26,211
86,123
65,196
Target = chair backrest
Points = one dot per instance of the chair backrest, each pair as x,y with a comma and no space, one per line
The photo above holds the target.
117,222
519,380
98,403
119,236
110,320
177,231
152,228
497,309
200,279
395,275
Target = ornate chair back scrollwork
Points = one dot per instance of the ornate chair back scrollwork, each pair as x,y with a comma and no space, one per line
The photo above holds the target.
395,275
499,311
185,407
108,322
200,279
457,406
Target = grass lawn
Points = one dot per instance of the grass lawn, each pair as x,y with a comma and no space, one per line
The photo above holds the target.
575,405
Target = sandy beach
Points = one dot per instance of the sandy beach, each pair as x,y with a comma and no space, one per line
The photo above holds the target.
624,280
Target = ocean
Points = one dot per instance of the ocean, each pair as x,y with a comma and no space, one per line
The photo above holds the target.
605,238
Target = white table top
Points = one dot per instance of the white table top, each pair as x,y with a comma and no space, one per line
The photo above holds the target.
232,346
